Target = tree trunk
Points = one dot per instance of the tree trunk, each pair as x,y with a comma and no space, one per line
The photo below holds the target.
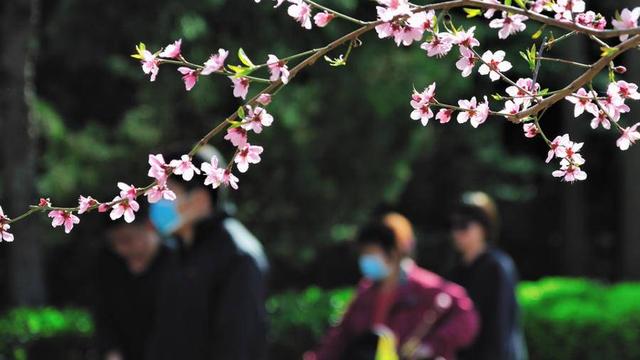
18,19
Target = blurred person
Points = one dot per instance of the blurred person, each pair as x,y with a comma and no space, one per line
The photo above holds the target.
211,304
490,277
427,316
127,281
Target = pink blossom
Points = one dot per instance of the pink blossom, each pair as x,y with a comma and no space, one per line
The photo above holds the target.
628,20
322,19
530,130
467,61
614,105
466,38
172,51
237,136
421,104
189,76
126,207
86,203
278,69
184,167
214,174
557,147
566,8
249,154
159,192
439,46
539,6
509,24
301,11
65,218
406,35
386,30
44,202
490,12
228,179
629,137
392,8
264,99
592,20
215,62
425,20
159,169
257,118
278,2
150,64
494,64
570,172
4,227
102,208
519,96
475,112
571,151
240,87
127,191
623,90
511,108
444,115
600,119
583,100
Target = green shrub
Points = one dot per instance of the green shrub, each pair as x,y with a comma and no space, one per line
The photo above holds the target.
564,318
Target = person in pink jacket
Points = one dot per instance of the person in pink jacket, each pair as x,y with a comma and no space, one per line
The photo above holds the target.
430,317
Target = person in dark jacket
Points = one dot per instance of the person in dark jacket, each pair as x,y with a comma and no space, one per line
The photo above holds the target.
211,302
428,316
490,277
127,281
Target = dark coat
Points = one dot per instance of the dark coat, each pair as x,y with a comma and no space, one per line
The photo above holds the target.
211,303
491,281
124,303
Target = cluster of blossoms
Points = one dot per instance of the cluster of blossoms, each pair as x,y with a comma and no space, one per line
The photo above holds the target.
302,12
405,23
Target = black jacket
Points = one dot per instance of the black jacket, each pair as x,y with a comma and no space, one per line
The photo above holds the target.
491,281
211,302
124,303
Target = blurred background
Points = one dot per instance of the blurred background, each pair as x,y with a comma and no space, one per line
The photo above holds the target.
78,115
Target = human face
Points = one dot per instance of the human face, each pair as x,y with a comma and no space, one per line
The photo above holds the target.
136,244
374,263
468,235
192,205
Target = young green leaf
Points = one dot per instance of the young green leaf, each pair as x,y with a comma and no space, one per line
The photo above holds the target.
471,13
608,51
241,113
244,58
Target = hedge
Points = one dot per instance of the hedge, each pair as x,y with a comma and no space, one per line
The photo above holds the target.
564,318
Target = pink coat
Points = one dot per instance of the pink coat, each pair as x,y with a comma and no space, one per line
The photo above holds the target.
415,296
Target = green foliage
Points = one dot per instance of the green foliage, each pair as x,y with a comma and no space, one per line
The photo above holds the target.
564,318
22,326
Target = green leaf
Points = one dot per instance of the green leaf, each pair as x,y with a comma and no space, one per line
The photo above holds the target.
240,71
608,51
244,58
507,2
521,3
471,13
241,113
339,61
538,33
497,97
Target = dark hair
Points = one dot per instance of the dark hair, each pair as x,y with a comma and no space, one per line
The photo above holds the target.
465,214
377,233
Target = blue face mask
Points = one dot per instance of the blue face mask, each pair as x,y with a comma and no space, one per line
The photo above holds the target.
373,267
164,216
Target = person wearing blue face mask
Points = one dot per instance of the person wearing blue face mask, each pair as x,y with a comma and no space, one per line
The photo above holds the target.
428,316
211,302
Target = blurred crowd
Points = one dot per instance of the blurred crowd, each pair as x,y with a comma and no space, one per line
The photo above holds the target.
188,281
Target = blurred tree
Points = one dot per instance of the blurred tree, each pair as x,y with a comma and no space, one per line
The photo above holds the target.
17,149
